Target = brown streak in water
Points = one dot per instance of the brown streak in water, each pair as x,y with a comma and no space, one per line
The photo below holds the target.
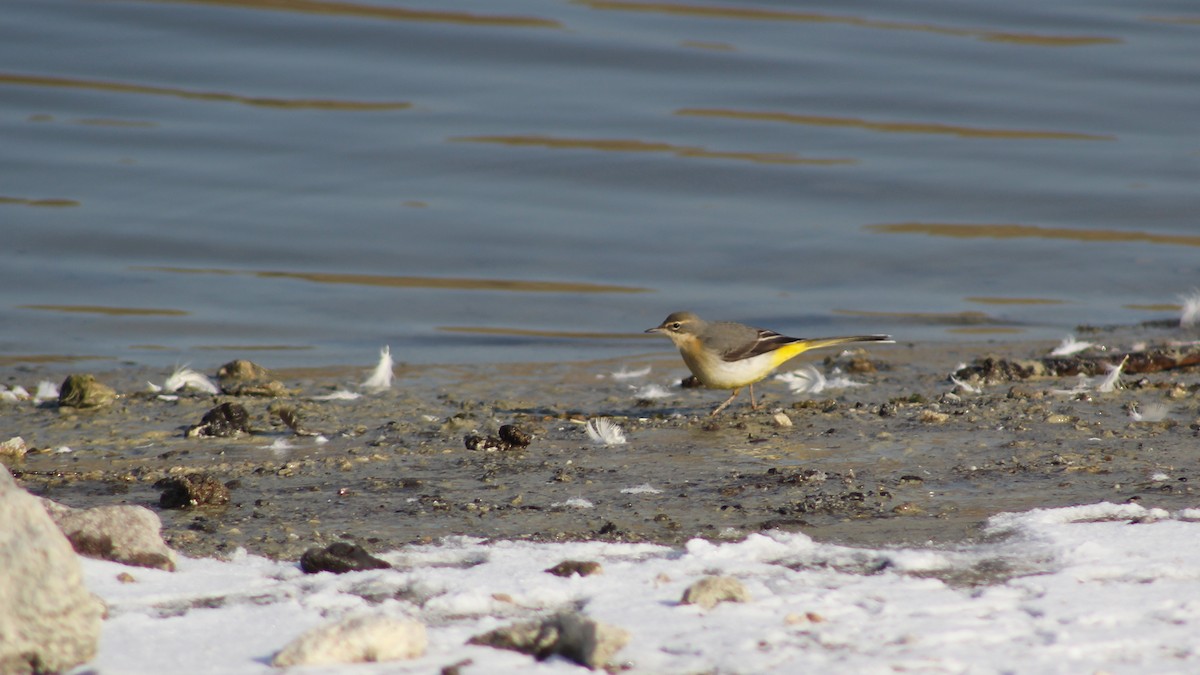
127,88
1005,231
104,122
621,145
1179,20
17,359
974,318
981,330
893,127
1155,308
1015,301
110,311
713,46
253,348
451,283
751,14
376,12
54,203
523,332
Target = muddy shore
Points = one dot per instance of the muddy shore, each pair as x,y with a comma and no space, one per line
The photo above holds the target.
910,458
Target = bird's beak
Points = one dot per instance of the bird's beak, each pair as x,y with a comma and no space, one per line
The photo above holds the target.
656,329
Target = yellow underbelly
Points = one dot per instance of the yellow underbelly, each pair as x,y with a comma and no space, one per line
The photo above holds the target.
717,373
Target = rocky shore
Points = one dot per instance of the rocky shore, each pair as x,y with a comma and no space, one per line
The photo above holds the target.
911,455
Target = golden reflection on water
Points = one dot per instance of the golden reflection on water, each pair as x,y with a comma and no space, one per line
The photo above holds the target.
109,311
1015,301
618,145
449,283
377,12
38,202
755,14
957,230
15,79
524,332
893,127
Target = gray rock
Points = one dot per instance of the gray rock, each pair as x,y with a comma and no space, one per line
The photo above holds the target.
712,590
49,622
589,642
360,639
130,535
569,635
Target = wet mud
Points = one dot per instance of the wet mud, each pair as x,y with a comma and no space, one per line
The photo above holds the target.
912,457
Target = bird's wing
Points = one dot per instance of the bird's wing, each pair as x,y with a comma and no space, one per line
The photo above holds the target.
761,342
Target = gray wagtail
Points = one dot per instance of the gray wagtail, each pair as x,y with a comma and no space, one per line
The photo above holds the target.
728,355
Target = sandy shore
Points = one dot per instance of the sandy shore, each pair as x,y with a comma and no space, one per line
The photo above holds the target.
911,457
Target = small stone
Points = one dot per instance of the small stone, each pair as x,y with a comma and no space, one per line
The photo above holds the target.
794,619
224,421
246,378
124,533
339,558
581,567
83,391
361,639
195,489
907,509
514,436
1058,418
933,417
14,449
709,591
241,369
572,636
859,365
782,420
483,444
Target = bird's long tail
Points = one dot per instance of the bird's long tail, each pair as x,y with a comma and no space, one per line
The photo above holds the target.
800,346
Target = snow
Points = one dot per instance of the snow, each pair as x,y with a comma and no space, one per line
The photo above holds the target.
1102,587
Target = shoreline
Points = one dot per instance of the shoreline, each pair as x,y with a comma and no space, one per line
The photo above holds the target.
908,458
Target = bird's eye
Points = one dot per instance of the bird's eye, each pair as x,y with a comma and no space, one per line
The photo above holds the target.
676,326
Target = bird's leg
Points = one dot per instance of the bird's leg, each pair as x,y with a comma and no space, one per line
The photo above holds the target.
726,403
753,405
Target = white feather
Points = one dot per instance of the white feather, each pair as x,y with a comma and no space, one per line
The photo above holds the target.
1070,346
1112,380
339,395
604,431
186,378
650,392
1190,316
1152,412
624,374
381,378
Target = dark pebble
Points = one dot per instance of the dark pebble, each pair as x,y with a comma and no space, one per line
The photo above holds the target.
197,489
223,421
339,558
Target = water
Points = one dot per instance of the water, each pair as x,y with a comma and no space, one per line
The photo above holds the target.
301,182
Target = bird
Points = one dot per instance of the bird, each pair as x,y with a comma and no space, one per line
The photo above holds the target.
729,355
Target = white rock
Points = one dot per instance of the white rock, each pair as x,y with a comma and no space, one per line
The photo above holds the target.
49,621
712,590
356,639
